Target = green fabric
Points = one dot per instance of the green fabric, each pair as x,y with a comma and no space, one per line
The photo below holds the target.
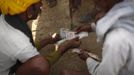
37,45
53,57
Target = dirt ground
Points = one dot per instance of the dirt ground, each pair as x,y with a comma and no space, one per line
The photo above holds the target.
51,20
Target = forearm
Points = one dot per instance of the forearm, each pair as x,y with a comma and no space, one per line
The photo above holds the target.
40,44
55,55
36,65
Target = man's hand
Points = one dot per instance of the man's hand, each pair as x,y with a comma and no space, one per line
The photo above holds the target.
83,55
99,15
51,39
86,28
74,43
55,37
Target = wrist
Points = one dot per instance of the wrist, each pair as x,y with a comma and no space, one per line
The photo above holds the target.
38,45
43,44
46,41
63,48
53,57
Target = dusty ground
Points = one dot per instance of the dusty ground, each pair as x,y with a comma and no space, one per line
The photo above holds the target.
51,20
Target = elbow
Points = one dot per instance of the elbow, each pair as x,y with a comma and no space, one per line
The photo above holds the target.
41,68
37,65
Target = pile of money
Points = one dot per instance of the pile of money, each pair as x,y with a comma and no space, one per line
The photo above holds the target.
68,34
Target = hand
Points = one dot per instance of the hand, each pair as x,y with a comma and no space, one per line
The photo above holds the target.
83,55
55,37
86,28
50,39
74,43
99,15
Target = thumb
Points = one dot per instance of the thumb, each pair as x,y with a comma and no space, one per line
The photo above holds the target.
78,31
78,28
76,38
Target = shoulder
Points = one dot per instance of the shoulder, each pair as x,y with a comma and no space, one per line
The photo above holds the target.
118,35
12,36
118,41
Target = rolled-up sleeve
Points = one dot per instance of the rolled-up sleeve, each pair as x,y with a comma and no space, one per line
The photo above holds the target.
92,64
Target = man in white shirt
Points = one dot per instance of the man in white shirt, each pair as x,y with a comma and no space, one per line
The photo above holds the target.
116,31
16,43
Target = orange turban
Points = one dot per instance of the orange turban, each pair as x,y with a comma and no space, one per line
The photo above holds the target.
13,7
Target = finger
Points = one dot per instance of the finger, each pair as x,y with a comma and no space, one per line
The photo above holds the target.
85,51
76,38
82,51
77,32
78,28
77,41
58,37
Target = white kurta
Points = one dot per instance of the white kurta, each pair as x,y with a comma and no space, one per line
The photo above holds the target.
14,45
117,55
116,30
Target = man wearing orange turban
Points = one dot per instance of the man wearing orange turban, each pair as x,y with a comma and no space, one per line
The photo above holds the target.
16,43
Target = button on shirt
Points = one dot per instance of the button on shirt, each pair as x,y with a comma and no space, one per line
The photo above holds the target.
14,45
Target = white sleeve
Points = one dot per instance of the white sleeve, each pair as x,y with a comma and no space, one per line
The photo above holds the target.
114,57
19,47
24,50
14,44
27,53
92,64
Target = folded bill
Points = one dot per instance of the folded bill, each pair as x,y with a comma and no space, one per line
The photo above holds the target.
94,56
68,34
